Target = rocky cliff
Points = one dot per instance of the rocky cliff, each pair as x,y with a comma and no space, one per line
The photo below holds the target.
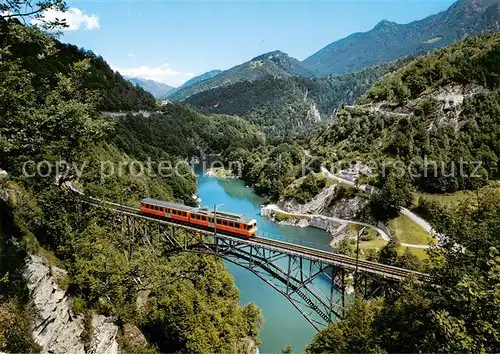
56,327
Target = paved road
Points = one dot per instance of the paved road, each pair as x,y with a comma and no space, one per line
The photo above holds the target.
414,217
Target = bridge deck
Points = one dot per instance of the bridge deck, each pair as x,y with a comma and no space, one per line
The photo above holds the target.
286,247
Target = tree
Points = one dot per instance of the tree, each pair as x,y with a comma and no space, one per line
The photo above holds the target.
395,193
22,9
347,247
389,253
408,260
351,335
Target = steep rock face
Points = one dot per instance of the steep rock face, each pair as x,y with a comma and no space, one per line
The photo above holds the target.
325,204
313,115
104,336
57,328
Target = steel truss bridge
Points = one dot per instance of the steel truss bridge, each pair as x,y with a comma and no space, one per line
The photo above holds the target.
292,270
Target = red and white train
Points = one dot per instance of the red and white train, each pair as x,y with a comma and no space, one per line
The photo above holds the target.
201,217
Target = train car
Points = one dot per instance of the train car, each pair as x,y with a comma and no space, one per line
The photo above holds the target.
203,218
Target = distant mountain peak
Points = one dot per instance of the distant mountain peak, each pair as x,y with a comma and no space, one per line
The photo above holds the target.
385,24
156,88
271,55
388,40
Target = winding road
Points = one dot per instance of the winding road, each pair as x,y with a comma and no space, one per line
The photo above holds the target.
414,217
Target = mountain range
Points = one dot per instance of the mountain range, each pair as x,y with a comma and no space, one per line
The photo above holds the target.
157,89
387,41
274,64
200,78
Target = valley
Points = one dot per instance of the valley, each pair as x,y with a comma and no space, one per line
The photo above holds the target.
381,148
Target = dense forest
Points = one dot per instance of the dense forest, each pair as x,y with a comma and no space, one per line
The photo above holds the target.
53,117
113,91
285,106
184,132
274,64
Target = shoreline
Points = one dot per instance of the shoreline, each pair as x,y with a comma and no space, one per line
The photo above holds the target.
220,172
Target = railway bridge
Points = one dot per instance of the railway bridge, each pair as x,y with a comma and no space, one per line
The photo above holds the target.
315,281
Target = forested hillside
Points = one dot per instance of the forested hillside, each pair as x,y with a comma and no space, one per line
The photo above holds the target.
184,132
442,107
389,40
114,92
439,108
274,64
284,107
164,299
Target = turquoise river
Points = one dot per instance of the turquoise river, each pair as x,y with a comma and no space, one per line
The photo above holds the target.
283,324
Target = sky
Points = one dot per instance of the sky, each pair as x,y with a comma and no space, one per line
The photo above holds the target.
173,41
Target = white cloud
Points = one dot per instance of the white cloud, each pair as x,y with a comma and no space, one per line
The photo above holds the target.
131,55
74,18
163,73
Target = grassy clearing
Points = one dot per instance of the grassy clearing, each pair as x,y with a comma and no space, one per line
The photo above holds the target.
376,245
408,231
457,196
379,243
444,198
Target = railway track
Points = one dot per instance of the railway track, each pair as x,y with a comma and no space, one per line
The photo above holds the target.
335,259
